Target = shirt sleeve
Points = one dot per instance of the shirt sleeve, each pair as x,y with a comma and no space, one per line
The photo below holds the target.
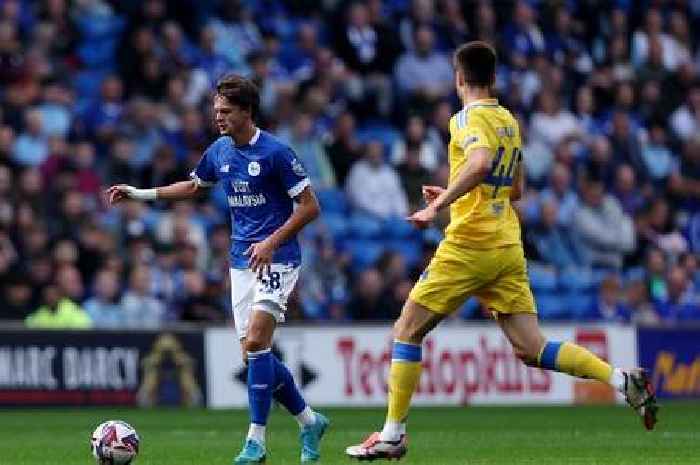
291,172
205,173
471,137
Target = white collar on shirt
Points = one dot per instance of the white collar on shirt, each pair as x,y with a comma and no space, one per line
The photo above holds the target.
255,137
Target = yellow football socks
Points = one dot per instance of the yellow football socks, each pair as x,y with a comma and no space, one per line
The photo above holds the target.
574,360
404,376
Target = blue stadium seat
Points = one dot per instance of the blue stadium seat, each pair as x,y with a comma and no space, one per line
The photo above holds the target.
576,279
336,224
551,307
382,132
542,278
580,304
364,253
399,228
410,250
364,226
635,274
332,201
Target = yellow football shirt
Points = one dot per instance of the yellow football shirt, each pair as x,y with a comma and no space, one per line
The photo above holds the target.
484,218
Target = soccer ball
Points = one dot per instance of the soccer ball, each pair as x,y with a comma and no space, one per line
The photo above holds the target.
114,442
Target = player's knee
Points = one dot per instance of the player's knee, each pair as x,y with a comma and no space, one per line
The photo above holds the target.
528,355
256,340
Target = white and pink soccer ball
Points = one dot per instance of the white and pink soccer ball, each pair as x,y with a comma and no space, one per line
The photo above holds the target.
114,442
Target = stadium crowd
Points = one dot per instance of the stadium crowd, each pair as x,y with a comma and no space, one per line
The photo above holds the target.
97,92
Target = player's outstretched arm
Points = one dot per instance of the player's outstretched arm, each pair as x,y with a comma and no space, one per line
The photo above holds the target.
306,211
472,174
176,191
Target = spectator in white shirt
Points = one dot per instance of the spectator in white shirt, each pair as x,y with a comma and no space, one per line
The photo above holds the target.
373,186
685,121
550,124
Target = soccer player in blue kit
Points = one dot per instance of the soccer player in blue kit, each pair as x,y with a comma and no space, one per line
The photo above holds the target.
263,180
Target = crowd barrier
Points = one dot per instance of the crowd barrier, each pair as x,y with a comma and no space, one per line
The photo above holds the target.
341,366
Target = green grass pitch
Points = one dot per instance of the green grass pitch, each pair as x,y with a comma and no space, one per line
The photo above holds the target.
438,436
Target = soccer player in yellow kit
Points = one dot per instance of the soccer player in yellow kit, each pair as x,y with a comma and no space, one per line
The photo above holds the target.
482,256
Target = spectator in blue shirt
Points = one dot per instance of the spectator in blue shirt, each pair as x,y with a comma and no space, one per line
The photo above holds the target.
425,72
103,307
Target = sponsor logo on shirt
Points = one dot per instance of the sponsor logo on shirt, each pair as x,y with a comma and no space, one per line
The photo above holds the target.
251,200
298,168
253,168
469,140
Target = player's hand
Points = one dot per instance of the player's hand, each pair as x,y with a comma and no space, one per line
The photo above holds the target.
261,255
118,193
430,193
422,218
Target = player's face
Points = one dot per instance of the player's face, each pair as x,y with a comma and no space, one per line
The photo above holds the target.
229,118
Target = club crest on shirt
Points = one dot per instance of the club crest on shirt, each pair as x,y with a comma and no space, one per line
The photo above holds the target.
298,168
253,168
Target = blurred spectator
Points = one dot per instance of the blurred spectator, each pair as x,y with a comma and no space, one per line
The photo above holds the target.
605,232
681,301
657,156
103,307
522,37
31,147
560,191
374,186
343,147
16,301
684,182
323,285
685,120
655,268
58,312
308,147
413,178
369,301
551,241
103,116
197,302
637,301
424,73
609,306
627,190
550,124
653,29
141,309
235,34
655,229
415,139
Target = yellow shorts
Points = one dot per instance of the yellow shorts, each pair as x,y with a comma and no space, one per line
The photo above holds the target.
497,277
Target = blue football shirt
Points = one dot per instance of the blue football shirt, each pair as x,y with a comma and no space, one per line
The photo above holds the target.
260,179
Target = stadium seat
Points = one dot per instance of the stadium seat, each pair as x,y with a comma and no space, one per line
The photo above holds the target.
580,304
364,253
542,278
335,224
399,228
332,201
364,226
576,279
382,132
410,250
551,306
